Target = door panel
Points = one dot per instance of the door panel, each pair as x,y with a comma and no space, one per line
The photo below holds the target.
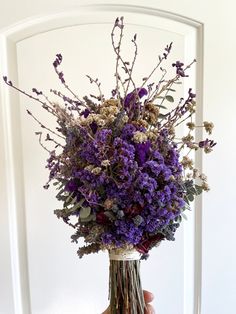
59,281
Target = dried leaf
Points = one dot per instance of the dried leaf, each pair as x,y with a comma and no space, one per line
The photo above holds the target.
169,98
85,212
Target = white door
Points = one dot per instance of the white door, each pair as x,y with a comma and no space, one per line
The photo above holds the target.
40,272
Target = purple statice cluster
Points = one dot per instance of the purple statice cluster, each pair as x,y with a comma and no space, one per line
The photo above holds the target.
122,176
134,191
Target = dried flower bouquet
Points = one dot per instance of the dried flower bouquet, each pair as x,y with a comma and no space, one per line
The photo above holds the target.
123,177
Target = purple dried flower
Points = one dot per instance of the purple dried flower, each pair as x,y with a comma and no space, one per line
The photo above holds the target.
131,100
34,90
142,152
179,69
58,60
85,113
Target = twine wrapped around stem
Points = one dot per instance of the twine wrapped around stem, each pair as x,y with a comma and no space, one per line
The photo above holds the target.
125,289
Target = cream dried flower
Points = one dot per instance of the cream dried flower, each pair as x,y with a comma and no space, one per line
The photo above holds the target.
192,145
203,177
188,138
191,107
108,203
105,163
89,167
139,137
205,186
96,170
143,123
111,102
191,125
208,126
208,150
187,162
196,173
125,119
151,135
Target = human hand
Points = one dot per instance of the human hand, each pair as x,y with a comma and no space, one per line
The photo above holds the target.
148,297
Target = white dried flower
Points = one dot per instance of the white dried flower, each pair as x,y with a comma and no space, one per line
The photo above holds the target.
195,173
139,137
203,177
89,167
172,178
109,119
125,119
96,170
101,122
105,163
188,138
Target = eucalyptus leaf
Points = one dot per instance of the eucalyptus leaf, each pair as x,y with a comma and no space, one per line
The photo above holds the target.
70,201
198,189
85,212
162,116
190,197
178,219
88,219
76,206
69,198
160,106
187,206
191,190
60,192
59,187
186,200
169,98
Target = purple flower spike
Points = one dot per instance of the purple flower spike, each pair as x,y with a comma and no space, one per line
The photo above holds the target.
58,60
142,92
179,69
207,143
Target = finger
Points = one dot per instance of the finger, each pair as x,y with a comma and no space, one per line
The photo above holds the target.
149,309
148,296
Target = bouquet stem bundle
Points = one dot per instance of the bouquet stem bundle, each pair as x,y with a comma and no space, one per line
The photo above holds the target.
126,294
